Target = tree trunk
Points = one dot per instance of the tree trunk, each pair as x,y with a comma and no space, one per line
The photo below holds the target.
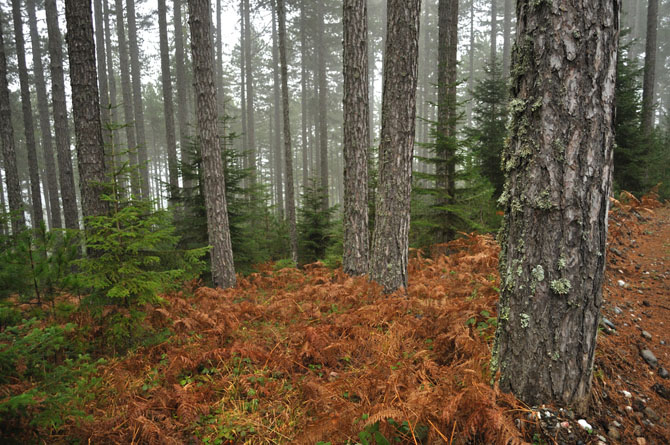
45,124
168,108
649,69
356,137
303,96
113,152
18,220
323,103
288,156
219,68
471,66
223,269
558,164
65,170
103,84
137,100
26,107
86,106
249,81
390,245
494,31
507,28
243,90
182,98
276,89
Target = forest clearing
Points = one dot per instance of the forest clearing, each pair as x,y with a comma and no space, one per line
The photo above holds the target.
314,356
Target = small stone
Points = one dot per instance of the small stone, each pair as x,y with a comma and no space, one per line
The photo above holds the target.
570,414
641,441
663,373
600,442
629,409
617,310
584,424
637,432
649,357
651,414
608,323
661,390
565,425
646,303
638,405
616,424
621,283
663,342
613,433
626,394
646,335
602,438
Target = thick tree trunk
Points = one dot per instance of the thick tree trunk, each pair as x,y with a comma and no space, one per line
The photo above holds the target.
558,163
276,90
356,138
86,106
182,98
288,156
168,107
390,245
249,81
45,123
26,107
649,69
65,170
18,220
323,103
138,107
223,269
507,27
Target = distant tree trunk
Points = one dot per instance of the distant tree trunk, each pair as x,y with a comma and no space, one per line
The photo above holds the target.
126,92
102,78
223,269
26,107
649,69
303,95
137,100
86,106
65,170
471,66
323,103
168,108
251,123
219,67
372,61
494,31
390,245
356,137
18,220
558,165
4,228
507,28
243,89
182,100
45,123
288,156
276,90
111,80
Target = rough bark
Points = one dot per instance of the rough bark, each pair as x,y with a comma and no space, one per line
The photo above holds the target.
288,156
182,100
558,164
26,107
45,123
649,68
126,93
111,80
65,170
390,245
276,90
102,78
356,137
18,220
138,106
168,107
86,106
249,84
507,27
223,269
219,68
323,104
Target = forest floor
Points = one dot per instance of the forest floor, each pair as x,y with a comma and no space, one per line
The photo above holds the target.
313,356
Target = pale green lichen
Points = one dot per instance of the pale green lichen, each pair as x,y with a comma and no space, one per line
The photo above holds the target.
544,201
516,206
562,262
538,273
537,105
525,319
504,314
556,356
561,286
519,271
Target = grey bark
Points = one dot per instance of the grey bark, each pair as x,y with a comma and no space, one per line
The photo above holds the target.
65,169
45,123
494,31
18,221
138,106
507,28
276,90
113,153
223,269
323,104
558,164
649,68
356,138
288,156
249,83
243,91
86,106
102,78
26,107
303,96
471,66
390,244
219,67
168,107
182,100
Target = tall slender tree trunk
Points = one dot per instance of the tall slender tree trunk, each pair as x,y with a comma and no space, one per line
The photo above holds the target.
356,137
102,78
251,123
243,89
288,156
18,221
182,98
649,69
558,164
223,269
168,107
372,59
390,245
4,228
111,80
507,28
45,123
26,107
323,102
65,170
276,90
494,31
86,106
303,95
126,92
138,105
471,66
219,67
